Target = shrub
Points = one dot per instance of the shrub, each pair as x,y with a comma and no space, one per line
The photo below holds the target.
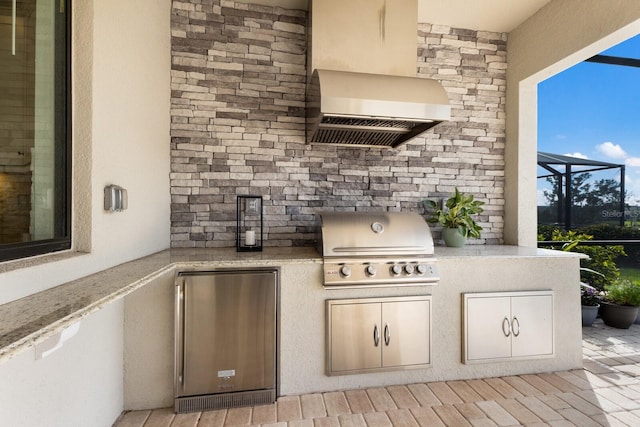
602,259
616,232
624,292
545,232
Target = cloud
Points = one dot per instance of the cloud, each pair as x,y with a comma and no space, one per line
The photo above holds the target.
632,188
577,155
633,161
612,150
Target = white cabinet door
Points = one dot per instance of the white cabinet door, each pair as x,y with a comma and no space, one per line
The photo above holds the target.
406,333
355,328
532,325
487,328
503,325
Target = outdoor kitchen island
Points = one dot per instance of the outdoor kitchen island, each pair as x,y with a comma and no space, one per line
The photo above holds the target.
147,286
477,269
472,269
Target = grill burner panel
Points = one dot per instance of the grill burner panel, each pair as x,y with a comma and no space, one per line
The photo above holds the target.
380,272
377,249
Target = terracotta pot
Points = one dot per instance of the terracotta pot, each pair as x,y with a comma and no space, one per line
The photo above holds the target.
453,238
589,314
618,316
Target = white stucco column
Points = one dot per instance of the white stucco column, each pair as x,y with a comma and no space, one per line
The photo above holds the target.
561,34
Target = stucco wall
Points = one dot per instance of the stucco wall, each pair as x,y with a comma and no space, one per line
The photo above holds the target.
77,385
149,345
560,35
121,119
120,136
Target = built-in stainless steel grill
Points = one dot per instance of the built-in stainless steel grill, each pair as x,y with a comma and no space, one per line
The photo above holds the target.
377,249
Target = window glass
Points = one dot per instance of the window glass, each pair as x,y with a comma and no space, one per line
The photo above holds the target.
34,127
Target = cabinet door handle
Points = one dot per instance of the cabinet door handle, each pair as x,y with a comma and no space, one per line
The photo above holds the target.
376,335
506,329
387,334
515,326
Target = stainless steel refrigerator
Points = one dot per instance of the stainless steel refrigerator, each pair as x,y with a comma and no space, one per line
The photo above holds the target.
225,335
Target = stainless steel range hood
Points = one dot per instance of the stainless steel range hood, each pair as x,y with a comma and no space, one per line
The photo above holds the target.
364,109
363,90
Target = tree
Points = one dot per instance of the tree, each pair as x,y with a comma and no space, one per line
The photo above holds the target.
589,199
580,187
606,192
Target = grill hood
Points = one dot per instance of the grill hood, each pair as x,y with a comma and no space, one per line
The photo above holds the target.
362,109
362,88
375,234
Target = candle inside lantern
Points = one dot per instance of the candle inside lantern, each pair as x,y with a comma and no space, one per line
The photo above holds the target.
250,238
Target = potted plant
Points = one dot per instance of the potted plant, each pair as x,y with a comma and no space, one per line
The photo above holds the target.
456,217
590,302
589,295
620,304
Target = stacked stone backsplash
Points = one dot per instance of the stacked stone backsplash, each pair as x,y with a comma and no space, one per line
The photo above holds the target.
238,92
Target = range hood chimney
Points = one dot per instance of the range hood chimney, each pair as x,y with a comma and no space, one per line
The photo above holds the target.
362,89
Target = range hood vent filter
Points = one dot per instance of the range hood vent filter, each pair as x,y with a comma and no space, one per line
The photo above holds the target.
368,132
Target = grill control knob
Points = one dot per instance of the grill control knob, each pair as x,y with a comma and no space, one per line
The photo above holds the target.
345,271
408,268
422,268
370,270
396,269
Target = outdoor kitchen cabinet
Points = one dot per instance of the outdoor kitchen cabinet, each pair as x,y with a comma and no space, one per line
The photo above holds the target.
507,325
378,334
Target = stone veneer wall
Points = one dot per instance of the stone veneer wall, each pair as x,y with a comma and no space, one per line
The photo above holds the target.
238,83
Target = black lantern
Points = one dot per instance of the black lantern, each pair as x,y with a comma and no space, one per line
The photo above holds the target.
249,224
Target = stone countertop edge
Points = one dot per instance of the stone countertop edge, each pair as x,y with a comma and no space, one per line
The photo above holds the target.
32,319
501,251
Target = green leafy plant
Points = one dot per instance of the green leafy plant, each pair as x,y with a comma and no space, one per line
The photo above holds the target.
456,213
600,268
604,232
616,232
623,292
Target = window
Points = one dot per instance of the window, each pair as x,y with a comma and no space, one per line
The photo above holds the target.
35,127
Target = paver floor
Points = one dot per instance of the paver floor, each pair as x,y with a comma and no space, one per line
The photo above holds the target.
606,392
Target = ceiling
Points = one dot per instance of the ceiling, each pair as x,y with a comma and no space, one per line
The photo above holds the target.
486,15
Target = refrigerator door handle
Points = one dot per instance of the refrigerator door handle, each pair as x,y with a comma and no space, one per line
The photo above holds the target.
180,353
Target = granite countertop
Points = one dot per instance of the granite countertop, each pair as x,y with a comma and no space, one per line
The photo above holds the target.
32,319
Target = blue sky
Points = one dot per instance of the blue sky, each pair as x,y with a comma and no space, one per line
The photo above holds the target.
593,111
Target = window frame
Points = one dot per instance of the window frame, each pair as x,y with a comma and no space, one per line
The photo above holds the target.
15,251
